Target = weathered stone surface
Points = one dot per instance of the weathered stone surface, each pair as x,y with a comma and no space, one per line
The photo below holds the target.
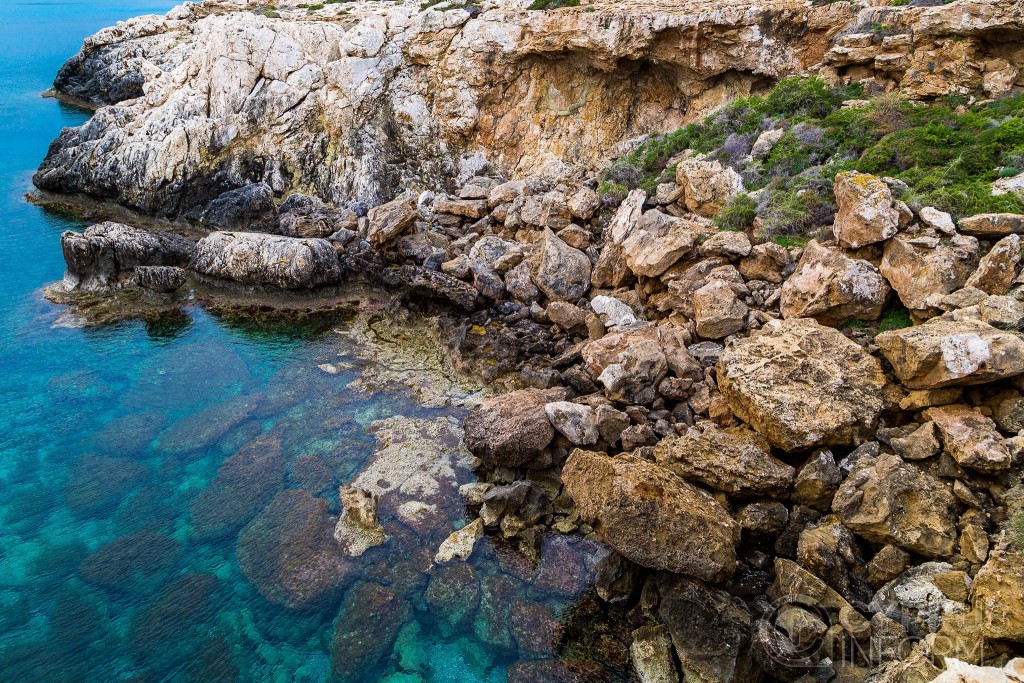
801,385
998,267
866,213
635,377
512,429
614,313
160,279
944,352
888,501
249,209
919,444
561,272
107,255
575,421
971,438
767,261
963,672
366,629
727,243
652,517
817,481
358,529
460,543
734,460
388,221
924,268
991,225
718,312
658,241
707,185
711,631
833,288
250,258
651,653
997,595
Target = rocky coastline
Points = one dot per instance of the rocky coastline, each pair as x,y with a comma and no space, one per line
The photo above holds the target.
806,455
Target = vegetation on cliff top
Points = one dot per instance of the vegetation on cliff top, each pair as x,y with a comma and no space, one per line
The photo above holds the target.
947,153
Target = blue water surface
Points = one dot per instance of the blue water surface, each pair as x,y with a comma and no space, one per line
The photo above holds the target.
135,457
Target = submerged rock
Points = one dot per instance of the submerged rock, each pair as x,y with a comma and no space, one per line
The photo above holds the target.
651,653
651,516
366,630
357,529
801,385
267,260
289,553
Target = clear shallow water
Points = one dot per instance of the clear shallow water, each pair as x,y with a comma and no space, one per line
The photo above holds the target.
142,465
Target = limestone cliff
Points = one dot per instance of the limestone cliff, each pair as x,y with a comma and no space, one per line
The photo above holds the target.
353,101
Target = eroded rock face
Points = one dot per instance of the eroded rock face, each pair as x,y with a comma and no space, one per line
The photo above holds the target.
107,255
801,385
997,595
405,93
658,240
885,500
652,517
866,213
971,438
257,259
833,288
512,429
944,352
707,185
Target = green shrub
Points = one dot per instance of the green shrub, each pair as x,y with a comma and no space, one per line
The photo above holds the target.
895,317
553,4
738,214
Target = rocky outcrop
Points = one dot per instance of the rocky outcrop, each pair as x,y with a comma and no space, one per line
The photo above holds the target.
652,517
267,260
107,255
802,385
405,94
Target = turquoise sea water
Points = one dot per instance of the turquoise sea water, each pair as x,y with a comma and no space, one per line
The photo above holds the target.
142,463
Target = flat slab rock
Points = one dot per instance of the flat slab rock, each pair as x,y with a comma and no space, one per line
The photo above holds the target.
800,385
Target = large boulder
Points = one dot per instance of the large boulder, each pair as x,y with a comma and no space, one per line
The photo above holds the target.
998,268
866,213
251,258
718,311
611,269
561,272
801,385
250,208
734,460
997,595
658,241
106,255
711,631
652,517
366,630
512,429
707,185
387,221
944,352
886,500
990,225
923,268
833,288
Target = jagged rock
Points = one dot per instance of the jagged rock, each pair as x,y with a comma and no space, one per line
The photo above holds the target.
924,268
460,543
489,249
727,243
888,501
569,317
466,208
614,313
970,438
915,599
833,288
998,268
944,352
817,481
561,272
997,595
802,385
357,529
512,429
991,225
583,203
161,279
250,209
766,518
802,627
793,583
575,421
432,284
866,213
658,241
718,312
886,565
828,551
519,283
651,654
707,185
635,377
611,269
301,215
652,517
388,221
734,460
250,258
711,631
106,255
920,444
937,220
962,672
